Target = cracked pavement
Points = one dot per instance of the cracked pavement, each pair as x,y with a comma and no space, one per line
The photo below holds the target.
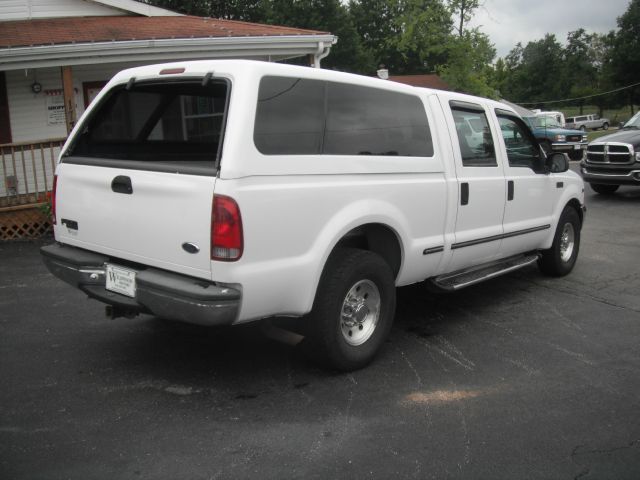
524,376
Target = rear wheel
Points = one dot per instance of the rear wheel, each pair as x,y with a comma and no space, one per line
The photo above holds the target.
353,310
604,189
561,257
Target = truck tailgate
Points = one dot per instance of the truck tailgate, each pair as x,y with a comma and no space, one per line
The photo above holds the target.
150,225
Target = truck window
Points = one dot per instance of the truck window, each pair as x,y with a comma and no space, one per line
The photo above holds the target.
476,144
522,150
290,116
368,121
302,117
176,122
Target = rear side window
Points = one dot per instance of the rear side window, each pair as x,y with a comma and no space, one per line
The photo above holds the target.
474,136
298,116
180,123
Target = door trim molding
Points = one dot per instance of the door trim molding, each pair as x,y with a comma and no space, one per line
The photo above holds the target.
493,238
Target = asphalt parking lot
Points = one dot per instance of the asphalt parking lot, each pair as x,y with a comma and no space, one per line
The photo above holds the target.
521,377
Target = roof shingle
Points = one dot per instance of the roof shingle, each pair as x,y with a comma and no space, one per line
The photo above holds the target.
121,28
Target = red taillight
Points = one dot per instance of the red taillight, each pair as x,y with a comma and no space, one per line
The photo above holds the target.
53,199
226,229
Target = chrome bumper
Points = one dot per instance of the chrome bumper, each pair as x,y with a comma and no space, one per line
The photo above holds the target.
164,294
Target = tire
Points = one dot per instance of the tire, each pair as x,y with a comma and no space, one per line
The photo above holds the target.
353,310
561,257
604,189
583,128
605,126
576,154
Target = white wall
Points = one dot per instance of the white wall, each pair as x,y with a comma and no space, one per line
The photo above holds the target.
29,9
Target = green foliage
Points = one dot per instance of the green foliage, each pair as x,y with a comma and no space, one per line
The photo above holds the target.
407,36
588,65
468,68
423,36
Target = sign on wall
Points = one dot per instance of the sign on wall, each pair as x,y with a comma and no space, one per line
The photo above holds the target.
55,106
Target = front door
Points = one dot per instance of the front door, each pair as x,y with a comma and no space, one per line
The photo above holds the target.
528,210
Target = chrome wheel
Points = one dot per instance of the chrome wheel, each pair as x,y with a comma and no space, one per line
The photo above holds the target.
360,312
567,242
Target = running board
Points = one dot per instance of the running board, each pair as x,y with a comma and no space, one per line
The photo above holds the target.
470,276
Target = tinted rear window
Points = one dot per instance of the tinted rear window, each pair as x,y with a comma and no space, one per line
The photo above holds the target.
299,116
176,123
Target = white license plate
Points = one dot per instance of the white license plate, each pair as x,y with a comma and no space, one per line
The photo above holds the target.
121,280
577,147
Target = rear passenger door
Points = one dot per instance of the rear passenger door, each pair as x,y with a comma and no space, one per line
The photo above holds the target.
481,188
530,189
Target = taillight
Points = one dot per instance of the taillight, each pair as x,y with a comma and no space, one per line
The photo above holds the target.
53,199
226,229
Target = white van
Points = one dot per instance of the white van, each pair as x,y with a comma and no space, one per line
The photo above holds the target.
223,192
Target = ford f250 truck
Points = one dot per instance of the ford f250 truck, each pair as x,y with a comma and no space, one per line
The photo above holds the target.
223,192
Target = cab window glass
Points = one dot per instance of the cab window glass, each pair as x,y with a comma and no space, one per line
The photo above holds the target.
474,138
370,121
297,116
522,151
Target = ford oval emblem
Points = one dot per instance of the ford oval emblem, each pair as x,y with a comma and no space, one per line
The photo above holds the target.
190,247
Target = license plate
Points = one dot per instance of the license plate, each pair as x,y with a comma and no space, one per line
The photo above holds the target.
121,280
577,147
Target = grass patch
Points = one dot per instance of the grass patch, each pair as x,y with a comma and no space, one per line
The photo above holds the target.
593,134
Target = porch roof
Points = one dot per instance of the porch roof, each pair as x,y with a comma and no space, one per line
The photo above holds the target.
90,40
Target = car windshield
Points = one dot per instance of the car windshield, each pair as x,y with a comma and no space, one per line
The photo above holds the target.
634,122
545,122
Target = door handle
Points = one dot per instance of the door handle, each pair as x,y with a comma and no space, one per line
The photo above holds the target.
510,189
122,184
464,193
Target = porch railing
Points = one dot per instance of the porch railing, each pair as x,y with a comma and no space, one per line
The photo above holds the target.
26,171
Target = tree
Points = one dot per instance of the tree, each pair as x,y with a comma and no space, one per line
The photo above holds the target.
468,68
535,72
625,54
464,10
324,15
408,36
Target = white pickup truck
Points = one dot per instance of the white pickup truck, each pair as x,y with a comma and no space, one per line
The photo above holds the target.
222,192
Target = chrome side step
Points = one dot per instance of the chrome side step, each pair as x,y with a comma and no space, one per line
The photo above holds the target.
470,276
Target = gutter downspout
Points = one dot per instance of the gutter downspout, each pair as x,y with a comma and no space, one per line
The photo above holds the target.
321,53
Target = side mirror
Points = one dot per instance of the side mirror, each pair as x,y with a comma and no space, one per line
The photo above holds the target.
557,163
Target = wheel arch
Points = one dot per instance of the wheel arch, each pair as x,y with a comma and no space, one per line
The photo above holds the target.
378,238
575,204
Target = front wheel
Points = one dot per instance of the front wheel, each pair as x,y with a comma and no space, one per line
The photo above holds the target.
353,310
605,126
603,189
561,257
576,154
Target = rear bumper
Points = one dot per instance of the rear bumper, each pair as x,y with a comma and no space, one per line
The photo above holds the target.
161,293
